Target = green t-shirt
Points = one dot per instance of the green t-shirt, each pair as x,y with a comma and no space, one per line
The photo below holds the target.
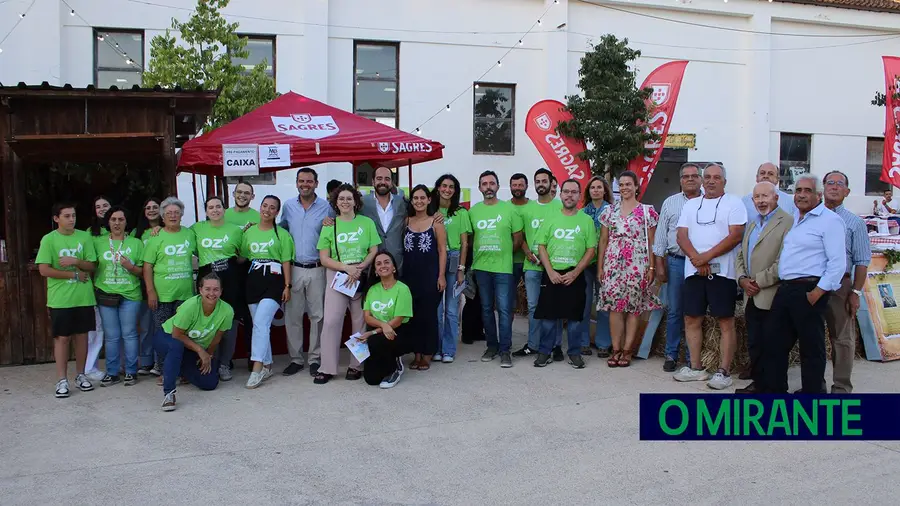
493,227
354,238
456,225
200,328
215,243
173,268
385,305
519,255
533,216
567,238
145,236
64,293
259,244
103,231
111,277
241,219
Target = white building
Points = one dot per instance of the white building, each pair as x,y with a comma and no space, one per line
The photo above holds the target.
789,82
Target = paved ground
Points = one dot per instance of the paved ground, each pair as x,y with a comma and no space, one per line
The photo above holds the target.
467,433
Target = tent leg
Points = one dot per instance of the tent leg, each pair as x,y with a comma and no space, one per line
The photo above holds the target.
409,174
194,184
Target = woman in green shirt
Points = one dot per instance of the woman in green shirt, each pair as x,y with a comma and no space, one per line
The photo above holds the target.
388,306
149,218
100,206
188,340
218,245
118,285
349,247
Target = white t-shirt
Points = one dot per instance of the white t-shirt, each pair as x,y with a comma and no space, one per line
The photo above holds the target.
880,209
707,221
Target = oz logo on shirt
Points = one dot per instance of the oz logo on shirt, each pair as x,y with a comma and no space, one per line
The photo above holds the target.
178,249
381,307
199,334
488,224
109,256
71,252
214,243
350,236
261,247
536,223
566,233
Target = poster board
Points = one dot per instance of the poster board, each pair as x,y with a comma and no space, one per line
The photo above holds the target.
882,290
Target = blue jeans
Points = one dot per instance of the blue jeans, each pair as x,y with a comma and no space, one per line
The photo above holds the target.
550,330
533,293
120,324
145,339
495,287
180,362
262,313
674,314
602,337
448,310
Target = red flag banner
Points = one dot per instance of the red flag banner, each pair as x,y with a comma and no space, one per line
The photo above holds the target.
666,83
558,151
890,162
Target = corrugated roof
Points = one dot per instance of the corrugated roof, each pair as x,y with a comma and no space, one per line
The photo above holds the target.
861,5
68,89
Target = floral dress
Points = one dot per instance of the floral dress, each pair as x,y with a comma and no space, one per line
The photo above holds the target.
623,288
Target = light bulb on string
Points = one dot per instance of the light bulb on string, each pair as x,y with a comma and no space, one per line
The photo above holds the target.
476,86
555,2
418,131
520,42
1,49
539,22
448,107
499,63
357,83
100,37
72,12
22,16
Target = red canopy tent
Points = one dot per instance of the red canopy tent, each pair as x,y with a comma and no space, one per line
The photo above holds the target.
316,133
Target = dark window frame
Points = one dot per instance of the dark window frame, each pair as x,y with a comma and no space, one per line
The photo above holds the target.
124,67
511,120
274,40
395,80
884,186
782,176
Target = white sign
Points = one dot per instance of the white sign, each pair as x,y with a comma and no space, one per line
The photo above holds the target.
306,126
274,155
240,160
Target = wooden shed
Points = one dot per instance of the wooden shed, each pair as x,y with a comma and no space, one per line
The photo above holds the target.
44,126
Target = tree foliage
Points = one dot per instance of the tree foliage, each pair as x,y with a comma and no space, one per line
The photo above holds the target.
611,115
203,57
493,125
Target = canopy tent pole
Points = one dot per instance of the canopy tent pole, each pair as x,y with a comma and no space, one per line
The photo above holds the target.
409,184
196,210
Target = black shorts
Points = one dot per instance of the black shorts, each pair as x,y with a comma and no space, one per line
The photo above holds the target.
700,292
72,320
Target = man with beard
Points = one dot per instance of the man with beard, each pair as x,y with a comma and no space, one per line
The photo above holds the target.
497,230
769,172
566,243
303,217
242,214
812,262
518,185
533,214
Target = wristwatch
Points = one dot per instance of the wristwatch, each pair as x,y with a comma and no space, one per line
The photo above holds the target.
461,268
857,292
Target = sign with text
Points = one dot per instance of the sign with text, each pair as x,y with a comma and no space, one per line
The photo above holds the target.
240,160
274,155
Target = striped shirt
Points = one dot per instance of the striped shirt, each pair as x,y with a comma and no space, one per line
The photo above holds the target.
666,240
859,252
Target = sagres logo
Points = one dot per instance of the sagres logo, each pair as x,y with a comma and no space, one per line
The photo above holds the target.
384,147
404,147
566,233
261,247
660,94
488,224
306,126
178,249
350,236
214,243
379,306
543,121
71,252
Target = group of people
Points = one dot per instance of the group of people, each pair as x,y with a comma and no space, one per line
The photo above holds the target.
398,265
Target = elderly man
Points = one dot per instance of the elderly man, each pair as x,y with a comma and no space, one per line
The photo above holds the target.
708,231
812,262
840,314
769,172
670,260
757,263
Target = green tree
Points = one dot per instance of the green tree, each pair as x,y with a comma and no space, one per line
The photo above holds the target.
203,57
610,117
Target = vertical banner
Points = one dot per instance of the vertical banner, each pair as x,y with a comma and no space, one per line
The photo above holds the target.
559,152
666,83
890,162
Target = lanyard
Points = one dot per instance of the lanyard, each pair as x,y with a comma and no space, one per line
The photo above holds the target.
117,255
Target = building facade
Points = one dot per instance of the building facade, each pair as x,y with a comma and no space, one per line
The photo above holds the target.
788,82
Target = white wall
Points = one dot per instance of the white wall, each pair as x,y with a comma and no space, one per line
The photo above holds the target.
740,91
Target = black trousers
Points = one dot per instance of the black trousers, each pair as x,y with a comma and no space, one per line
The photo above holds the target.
756,321
792,318
384,355
472,324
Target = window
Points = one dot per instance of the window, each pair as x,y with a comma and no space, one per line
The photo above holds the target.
494,112
261,49
118,58
874,152
375,94
794,158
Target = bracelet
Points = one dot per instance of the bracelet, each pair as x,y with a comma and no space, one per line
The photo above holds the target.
653,268
461,268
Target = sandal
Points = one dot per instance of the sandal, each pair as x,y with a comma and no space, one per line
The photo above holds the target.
322,378
624,359
353,374
424,365
414,364
613,360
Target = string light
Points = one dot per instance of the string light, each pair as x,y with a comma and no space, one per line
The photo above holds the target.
539,22
418,131
499,63
72,12
520,42
476,86
448,107
100,37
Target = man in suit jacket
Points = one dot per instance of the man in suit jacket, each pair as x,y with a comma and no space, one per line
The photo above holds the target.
757,262
388,211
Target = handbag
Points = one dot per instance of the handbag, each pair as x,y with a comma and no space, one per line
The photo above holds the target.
107,299
365,279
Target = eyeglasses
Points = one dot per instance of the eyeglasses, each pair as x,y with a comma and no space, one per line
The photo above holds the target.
570,192
835,183
715,214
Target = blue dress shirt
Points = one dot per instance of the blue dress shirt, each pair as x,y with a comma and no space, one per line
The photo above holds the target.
305,226
761,223
815,246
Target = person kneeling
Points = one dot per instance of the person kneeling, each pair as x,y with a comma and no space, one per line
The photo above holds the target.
388,306
188,340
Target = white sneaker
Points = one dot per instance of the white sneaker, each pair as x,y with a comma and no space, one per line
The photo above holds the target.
437,357
256,379
83,383
62,388
225,373
719,381
392,380
688,374
95,375
448,359
267,373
